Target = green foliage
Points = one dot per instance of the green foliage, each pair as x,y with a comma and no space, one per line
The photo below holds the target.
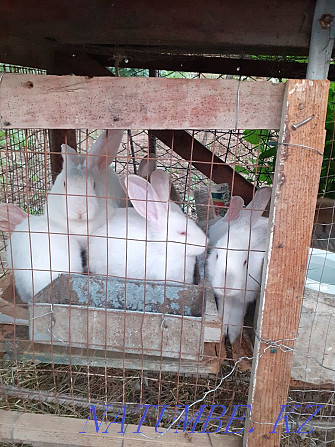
327,180
16,139
172,74
2,137
278,58
130,72
264,143
135,72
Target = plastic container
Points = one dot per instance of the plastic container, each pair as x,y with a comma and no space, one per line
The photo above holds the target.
320,275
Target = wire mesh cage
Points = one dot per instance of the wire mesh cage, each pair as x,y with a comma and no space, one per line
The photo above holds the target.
110,337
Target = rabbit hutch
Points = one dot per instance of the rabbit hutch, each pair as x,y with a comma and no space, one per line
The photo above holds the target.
167,251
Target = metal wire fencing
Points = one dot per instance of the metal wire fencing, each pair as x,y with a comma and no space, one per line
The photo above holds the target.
50,378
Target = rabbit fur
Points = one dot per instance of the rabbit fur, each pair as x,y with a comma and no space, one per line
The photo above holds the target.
87,190
234,266
154,240
36,252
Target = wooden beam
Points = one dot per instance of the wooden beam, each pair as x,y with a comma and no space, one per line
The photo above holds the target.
182,143
137,103
203,64
78,63
50,56
295,188
20,349
47,430
27,52
203,159
66,62
284,28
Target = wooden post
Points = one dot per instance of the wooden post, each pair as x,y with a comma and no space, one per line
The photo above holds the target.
152,138
56,138
294,196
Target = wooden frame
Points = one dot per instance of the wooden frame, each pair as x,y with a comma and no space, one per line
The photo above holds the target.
168,323
31,36
137,103
298,166
191,104
45,430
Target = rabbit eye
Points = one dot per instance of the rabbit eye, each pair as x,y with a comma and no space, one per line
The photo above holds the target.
217,256
182,233
64,183
245,262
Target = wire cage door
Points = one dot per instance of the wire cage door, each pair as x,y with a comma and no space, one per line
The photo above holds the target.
297,108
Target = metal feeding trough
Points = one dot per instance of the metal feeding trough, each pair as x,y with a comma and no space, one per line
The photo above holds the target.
151,318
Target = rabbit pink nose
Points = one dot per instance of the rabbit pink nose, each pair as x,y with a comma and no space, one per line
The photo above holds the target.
80,215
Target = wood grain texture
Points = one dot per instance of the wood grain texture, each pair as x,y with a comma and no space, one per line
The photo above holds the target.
133,332
212,327
276,68
292,211
47,430
199,23
72,102
37,352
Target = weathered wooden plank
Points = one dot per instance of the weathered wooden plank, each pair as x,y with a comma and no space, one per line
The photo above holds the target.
123,316
133,332
10,310
78,63
37,352
213,329
49,430
138,103
31,52
119,294
204,64
284,27
295,189
225,441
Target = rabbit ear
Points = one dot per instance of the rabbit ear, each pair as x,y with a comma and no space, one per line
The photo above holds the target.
10,216
256,207
161,184
123,183
104,150
147,166
144,198
261,199
67,153
235,207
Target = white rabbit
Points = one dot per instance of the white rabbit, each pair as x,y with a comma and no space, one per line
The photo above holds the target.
10,216
154,240
100,156
220,227
147,166
235,264
37,253
87,190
